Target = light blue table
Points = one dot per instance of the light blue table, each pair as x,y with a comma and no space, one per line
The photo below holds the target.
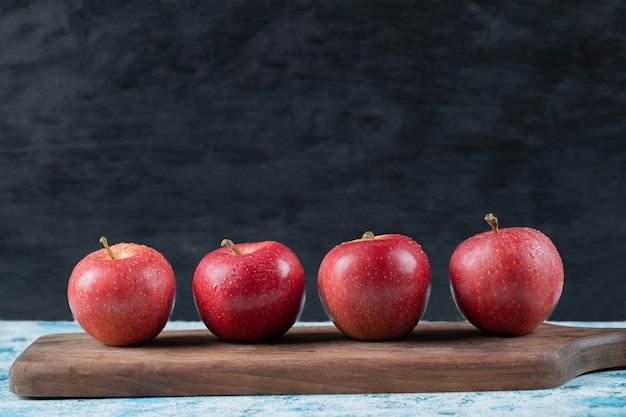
596,394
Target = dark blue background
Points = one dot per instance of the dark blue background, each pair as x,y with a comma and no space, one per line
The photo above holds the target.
178,123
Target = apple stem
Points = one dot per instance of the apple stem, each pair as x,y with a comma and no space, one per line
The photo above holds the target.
368,236
104,241
493,222
231,245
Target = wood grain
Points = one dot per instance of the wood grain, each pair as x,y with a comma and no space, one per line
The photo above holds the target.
315,360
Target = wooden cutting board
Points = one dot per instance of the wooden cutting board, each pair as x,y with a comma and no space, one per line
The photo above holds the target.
315,360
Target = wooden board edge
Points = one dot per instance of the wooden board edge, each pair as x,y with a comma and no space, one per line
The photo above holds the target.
580,356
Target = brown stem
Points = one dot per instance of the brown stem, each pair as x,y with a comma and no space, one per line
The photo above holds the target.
368,236
493,222
231,245
104,241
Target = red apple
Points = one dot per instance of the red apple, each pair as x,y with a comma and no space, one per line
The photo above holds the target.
249,291
376,287
123,294
506,281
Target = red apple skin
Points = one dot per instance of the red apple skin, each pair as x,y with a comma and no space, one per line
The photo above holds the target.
506,283
257,295
375,288
123,301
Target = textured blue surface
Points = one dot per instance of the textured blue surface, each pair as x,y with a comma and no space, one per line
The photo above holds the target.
595,394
